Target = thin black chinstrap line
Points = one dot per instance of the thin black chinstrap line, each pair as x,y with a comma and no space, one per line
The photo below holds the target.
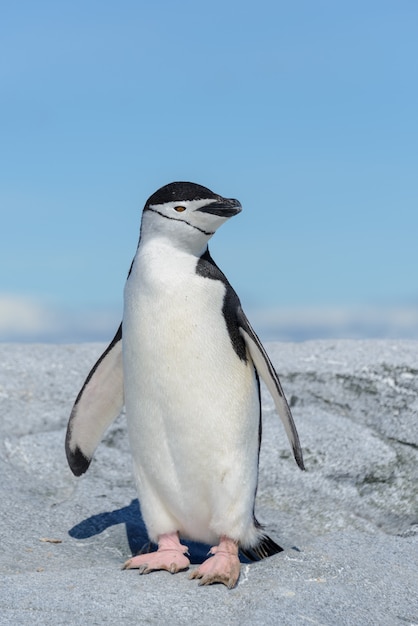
182,221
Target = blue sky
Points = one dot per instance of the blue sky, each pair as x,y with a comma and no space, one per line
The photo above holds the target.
306,111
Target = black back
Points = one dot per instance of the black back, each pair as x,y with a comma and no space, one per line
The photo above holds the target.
231,308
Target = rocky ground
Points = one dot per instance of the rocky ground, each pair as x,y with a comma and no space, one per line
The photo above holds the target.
349,524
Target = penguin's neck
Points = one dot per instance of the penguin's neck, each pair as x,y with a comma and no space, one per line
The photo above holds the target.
161,265
162,247
172,235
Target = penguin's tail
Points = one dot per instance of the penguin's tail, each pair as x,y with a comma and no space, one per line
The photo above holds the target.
264,548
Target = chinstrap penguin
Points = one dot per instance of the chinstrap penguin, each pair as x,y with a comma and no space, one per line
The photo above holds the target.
186,364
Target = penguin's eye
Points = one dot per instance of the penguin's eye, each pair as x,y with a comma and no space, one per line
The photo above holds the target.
179,209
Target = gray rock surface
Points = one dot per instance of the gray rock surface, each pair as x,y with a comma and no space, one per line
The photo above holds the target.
349,525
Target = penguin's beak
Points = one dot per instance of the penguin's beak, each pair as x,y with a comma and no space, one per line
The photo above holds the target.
224,207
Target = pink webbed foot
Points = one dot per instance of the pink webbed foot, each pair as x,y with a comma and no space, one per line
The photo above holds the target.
170,556
223,567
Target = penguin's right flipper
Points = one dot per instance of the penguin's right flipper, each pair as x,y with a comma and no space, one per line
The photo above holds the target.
265,369
99,402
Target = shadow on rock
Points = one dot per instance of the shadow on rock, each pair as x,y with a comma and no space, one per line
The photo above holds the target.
129,515
135,531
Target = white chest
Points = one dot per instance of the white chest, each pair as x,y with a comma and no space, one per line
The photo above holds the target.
170,311
178,357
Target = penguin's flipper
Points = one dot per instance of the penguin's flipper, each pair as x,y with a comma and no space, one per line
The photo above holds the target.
267,372
99,402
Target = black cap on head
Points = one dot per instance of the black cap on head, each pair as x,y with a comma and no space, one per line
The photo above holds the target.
180,191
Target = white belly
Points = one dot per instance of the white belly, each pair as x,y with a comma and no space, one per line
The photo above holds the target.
192,405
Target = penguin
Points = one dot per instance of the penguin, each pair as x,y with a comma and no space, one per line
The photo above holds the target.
186,364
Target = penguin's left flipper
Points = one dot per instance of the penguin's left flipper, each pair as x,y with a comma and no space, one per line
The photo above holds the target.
99,402
267,372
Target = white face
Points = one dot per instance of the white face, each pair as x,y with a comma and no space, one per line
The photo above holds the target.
188,224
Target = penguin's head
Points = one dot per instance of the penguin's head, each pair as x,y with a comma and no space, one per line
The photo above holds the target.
186,214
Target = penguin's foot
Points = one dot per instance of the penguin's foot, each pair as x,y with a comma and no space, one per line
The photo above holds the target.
170,556
223,567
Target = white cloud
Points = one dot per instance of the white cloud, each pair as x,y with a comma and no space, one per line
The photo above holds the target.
26,319
22,315
326,322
